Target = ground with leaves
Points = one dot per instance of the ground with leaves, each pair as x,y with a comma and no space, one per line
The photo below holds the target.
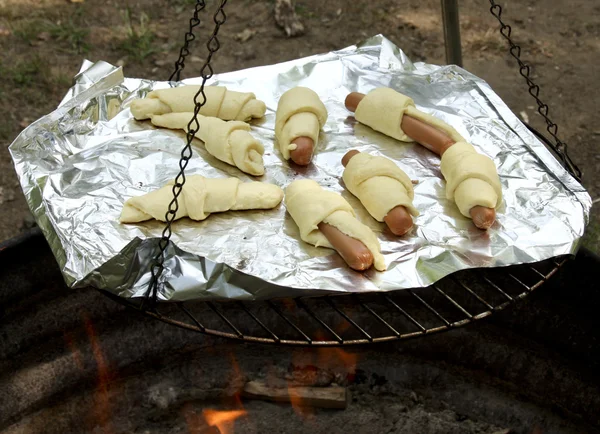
44,42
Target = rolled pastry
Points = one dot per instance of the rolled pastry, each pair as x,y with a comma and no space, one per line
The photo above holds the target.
379,184
309,205
300,113
220,103
230,142
471,178
383,109
201,197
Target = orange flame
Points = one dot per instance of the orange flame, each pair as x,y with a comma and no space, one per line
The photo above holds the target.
223,420
102,392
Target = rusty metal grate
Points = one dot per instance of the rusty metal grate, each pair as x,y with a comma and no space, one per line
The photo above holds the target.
453,302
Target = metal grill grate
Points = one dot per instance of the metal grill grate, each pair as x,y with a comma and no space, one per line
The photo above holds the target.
453,302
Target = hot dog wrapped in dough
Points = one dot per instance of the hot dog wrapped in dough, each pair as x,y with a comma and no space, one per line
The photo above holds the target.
471,178
220,103
379,184
383,109
310,205
299,119
201,197
230,142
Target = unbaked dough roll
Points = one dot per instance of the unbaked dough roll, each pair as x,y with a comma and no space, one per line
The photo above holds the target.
201,197
383,109
230,142
379,184
220,102
300,113
309,205
471,178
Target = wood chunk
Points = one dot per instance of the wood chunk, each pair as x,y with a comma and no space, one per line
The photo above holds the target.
286,18
317,397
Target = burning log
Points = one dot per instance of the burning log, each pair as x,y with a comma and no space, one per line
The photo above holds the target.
317,397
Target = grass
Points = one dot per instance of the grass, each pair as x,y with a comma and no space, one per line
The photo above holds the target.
71,32
28,30
68,31
138,43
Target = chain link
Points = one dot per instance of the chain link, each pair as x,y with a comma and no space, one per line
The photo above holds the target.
559,146
188,37
206,73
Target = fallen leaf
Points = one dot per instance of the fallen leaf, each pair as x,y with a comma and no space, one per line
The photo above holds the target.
25,122
44,36
4,31
195,59
524,116
245,35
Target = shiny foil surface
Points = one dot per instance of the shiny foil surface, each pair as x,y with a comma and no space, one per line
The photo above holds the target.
80,163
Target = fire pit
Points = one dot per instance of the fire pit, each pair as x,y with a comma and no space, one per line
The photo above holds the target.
74,361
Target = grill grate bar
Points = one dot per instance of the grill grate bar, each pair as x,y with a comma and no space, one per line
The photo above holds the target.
497,288
302,305
347,318
528,288
224,318
380,319
192,317
259,322
431,309
287,320
403,312
470,291
539,273
455,303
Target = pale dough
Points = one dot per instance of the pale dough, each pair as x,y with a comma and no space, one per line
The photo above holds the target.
383,108
379,184
309,205
230,142
471,178
300,113
220,102
201,197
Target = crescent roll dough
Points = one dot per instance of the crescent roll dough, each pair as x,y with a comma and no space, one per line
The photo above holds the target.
383,108
471,178
300,113
379,184
201,197
220,102
230,142
309,205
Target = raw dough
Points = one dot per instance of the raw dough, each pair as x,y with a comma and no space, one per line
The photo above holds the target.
220,102
471,178
200,197
309,205
230,142
300,113
379,184
383,108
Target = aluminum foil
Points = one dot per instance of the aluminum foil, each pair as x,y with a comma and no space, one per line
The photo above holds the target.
79,164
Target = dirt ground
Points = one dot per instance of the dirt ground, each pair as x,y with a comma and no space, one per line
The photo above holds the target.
43,43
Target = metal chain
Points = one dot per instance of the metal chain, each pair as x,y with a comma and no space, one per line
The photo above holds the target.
188,37
206,73
534,90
